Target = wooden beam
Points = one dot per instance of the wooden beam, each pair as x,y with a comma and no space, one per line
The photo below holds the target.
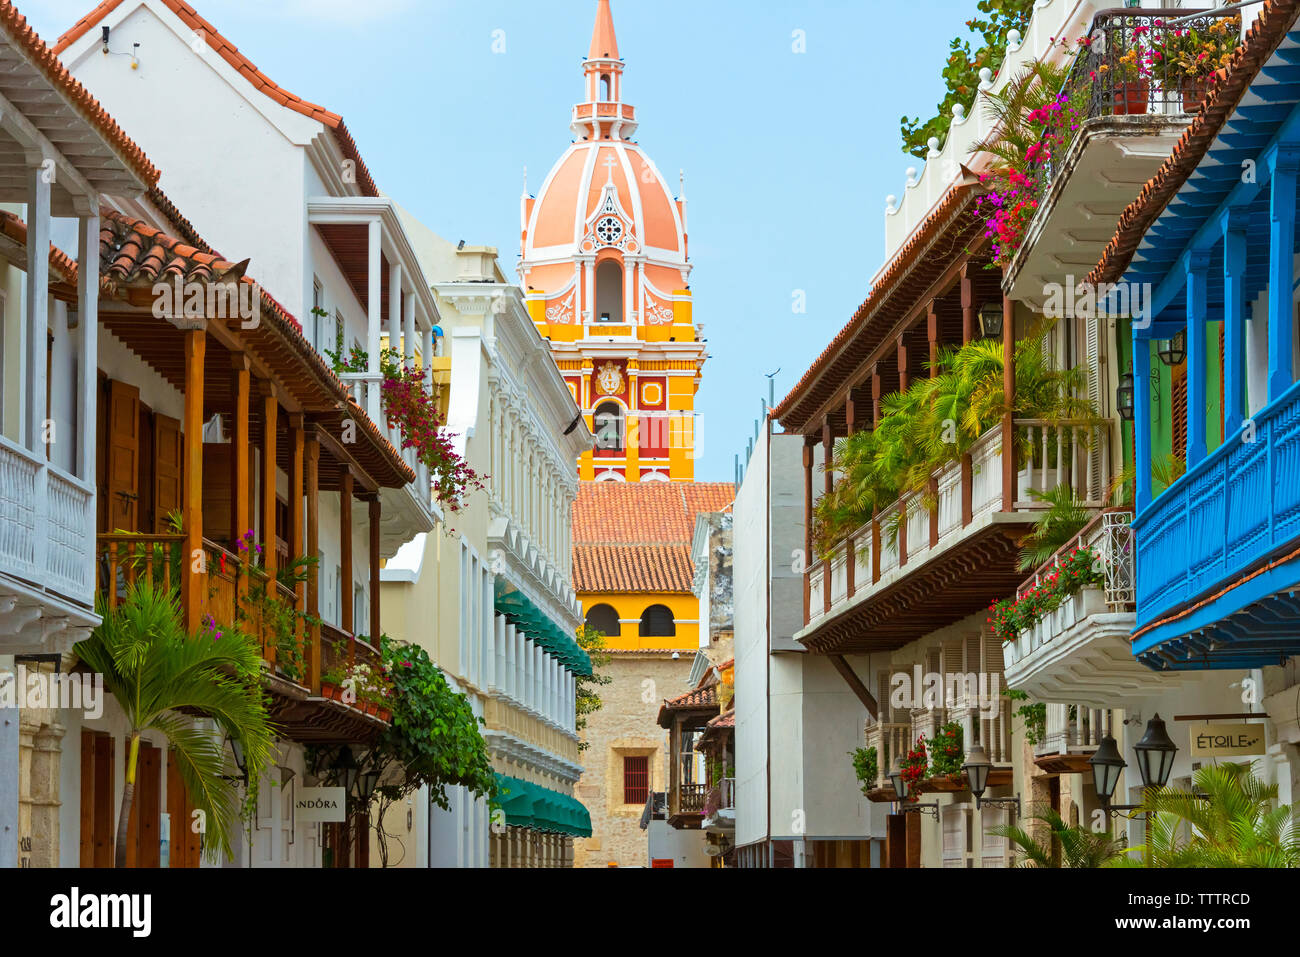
807,525
345,541
270,430
296,478
1009,400
312,456
375,630
340,454
855,684
193,573
967,305
240,450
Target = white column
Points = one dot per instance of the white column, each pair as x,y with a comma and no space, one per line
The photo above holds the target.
88,326
538,701
395,307
521,668
9,776
408,328
374,317
588,290
38,302
426,356
629,270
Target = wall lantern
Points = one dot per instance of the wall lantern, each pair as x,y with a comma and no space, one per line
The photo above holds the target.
991,320
1155,757
1173,351
1124,397
977,768
346,765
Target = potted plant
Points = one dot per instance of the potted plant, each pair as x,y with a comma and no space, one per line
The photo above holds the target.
1129,78
866,765
1188,57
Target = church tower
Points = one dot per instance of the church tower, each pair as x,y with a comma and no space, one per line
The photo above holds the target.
605,269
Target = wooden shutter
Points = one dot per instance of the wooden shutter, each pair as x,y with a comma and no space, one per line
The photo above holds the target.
87,798
636,779
954,836
993,849
168,452
896,840
148,806
104,801
123,456
184,848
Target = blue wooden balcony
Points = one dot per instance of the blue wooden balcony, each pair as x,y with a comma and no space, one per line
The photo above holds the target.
1226,538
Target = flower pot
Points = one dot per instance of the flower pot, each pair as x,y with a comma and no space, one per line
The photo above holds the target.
1090,601
1131,97
371,708
1194,90
330,691
384,714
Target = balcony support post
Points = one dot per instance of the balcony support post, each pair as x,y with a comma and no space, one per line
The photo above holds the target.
967,304
193,572
270,430
374,317
37,300
807,524
373,509
1234,324
88,342
1198,265
240,446
903,379
395,307
875,396
312,477
1281,270
1009,470
345,543
1141,420
297,451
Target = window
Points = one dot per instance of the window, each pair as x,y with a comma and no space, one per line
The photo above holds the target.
609,280
657,622
604,619
604,87
636,778
608,419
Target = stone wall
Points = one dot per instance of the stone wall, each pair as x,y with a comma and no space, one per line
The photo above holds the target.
625,725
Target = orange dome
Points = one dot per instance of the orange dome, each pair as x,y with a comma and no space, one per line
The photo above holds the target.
560,221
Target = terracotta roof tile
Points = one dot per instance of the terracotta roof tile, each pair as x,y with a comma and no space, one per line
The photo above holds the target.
725,720
1268,31
230,53
48,63
636,537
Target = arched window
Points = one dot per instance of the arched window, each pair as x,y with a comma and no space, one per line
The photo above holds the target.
609,290
657,622
604,619
607,421
604,88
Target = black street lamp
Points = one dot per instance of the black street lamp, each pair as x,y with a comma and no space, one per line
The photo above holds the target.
1174,350
346,766
977,768
991,318
1124,397
901,791
1155,757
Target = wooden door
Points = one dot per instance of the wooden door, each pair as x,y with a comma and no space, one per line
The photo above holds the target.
168,450
98,799
143,840
123,457
184,849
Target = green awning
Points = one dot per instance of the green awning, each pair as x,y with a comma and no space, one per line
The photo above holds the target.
556,640
541,809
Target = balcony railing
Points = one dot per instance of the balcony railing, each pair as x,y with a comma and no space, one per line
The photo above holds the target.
1074,452
1113,75
1231,510
1110,536
44,515
1071,729
727,796
690,798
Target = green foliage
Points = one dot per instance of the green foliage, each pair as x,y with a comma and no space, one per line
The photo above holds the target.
961,72
1080,569
159,676
946,750
934,423
1064,518
866,766
1066,845
587,698
1034,715
1226,820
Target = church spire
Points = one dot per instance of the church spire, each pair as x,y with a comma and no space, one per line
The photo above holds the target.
604,45
604,115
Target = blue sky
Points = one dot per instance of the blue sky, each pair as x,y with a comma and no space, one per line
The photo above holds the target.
788,156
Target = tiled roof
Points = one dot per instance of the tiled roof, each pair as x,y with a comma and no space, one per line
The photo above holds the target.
131,251
958,201
725,720
1264,36
636,537
701,699
63,267
230,53
48,63
632,568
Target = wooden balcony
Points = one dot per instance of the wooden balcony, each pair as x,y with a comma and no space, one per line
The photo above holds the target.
1072,733
46,561
877,589
1217,565
686,805
231,596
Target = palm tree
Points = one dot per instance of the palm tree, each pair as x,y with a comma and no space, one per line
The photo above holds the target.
1079,847
1226,820
157,673
1064,518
